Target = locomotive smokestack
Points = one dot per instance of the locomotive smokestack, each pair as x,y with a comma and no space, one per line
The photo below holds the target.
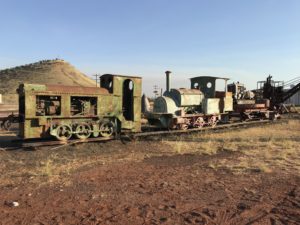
168,73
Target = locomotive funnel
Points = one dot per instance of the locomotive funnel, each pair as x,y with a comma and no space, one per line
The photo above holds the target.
168,73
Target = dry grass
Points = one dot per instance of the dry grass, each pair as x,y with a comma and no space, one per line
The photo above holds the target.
263,149
43,167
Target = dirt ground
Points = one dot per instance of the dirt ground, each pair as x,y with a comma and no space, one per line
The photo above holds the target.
249,176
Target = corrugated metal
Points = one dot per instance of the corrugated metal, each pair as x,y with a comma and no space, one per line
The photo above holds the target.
295,99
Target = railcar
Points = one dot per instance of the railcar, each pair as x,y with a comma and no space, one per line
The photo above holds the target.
248,106
68,111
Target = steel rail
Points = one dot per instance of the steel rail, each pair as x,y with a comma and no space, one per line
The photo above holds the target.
217,128
35,144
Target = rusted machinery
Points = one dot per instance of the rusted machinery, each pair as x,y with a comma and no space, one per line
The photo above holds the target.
65,111
8,116
199,106
276,93
248,106
115,107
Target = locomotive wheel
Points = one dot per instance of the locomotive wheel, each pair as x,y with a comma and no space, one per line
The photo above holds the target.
199,122
213,121
63,132
107,128
7,124
183,127
83,131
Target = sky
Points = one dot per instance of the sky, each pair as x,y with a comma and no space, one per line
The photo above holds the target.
239,39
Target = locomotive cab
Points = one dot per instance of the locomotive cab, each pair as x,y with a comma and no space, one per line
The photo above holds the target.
214,101
126,91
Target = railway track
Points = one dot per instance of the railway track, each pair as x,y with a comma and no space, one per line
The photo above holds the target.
216,129
33,144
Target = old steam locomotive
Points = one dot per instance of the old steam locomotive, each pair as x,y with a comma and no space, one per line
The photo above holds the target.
199,106
65,111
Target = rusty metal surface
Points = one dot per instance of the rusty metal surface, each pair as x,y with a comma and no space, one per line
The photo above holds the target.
223,94
226,104
7,109
64,89
165,104
9,113
211,106
186,91
5,114
242,107
46,107
185,97
245,102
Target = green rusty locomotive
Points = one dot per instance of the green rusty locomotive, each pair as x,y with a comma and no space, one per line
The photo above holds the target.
65,111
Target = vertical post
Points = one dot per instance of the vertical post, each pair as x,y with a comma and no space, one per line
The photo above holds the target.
97,75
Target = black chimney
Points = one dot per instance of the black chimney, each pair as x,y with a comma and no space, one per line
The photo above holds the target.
168,73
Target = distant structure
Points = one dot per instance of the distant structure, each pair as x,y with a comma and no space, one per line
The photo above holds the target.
291,85
279,91
295,99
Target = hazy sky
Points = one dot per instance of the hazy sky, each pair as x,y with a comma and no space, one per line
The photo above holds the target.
241,39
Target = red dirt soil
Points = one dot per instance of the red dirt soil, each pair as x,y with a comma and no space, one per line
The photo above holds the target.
178,189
